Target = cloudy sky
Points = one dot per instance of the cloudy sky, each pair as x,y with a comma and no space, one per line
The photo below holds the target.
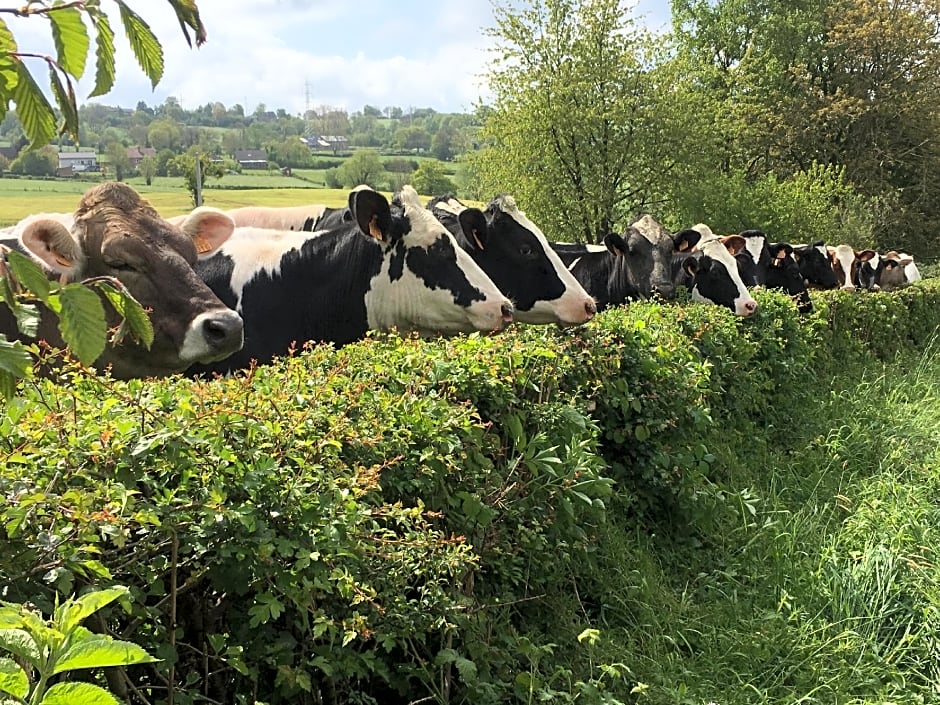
293,54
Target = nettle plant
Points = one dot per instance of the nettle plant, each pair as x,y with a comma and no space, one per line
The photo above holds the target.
43,650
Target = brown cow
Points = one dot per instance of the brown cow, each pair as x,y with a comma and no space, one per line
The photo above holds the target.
116,233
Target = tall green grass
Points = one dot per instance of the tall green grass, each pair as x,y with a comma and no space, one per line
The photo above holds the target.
815,579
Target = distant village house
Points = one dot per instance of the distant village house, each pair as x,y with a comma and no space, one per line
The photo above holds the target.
322,143
252,158
135,155
72,162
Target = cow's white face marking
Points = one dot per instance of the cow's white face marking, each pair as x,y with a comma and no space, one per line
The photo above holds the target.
844,258
406,302
755,245
713,247
575,305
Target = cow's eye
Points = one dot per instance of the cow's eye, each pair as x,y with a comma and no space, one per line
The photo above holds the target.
525,250
119,264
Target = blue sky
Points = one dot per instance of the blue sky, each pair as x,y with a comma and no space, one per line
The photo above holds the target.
296,53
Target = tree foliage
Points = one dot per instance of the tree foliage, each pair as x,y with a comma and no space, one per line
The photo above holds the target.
850,83
363,167
72,43
573,116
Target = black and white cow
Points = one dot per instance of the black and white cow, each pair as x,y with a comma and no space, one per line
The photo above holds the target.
710,271
616,272
390,268
784,273
754,259
772,265
815,265
515,254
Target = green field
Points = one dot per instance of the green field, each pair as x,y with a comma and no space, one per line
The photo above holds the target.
22,197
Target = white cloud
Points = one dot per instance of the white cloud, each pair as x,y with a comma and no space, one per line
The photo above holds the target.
411,53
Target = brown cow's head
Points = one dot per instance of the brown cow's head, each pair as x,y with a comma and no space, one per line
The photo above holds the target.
115,233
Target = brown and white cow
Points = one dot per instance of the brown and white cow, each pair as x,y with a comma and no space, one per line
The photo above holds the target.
847,263
900,270
116,233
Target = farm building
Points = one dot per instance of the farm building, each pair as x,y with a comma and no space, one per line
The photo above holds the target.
135,155
78,161
252,158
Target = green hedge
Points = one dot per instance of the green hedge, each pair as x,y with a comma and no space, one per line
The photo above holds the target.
404,519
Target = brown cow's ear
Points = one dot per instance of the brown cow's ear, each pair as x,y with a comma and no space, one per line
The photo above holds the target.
208,228
52,243
864,255
734,243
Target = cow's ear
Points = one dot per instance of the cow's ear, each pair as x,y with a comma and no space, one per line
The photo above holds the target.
53,244
208,228
473,224
733,243
372,214
865,255
615,244
691,266
685,240
891,263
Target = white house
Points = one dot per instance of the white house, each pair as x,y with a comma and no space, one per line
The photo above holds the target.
78,161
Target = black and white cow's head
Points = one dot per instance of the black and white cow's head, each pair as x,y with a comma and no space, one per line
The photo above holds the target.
712,271
427,282
662,248
784,273
514,252
753,272
815,265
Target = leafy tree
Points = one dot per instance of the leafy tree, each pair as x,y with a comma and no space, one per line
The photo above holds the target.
575,125
36,162
148,168
163,134
70,34
430,179
118,161
853,83
4,164
363,167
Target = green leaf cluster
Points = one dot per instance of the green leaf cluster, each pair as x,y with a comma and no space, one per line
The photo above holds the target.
46,648
70,35
403,519
78,307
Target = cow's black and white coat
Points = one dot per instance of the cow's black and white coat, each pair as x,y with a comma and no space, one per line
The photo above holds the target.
389,268
515,254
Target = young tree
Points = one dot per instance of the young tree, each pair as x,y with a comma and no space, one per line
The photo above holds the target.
185,165
148,169
430,179
363,167
575,126
118,160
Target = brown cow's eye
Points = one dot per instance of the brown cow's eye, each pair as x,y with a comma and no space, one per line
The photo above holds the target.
120,265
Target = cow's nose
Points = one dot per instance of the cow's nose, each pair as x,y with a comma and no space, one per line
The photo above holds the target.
590,308
224,331
750,307
507,311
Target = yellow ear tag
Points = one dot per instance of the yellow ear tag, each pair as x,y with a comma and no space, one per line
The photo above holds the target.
781,255
202,244
62,260
374,229
476,239
683,246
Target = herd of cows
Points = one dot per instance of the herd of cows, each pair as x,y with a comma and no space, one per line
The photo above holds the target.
226,288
